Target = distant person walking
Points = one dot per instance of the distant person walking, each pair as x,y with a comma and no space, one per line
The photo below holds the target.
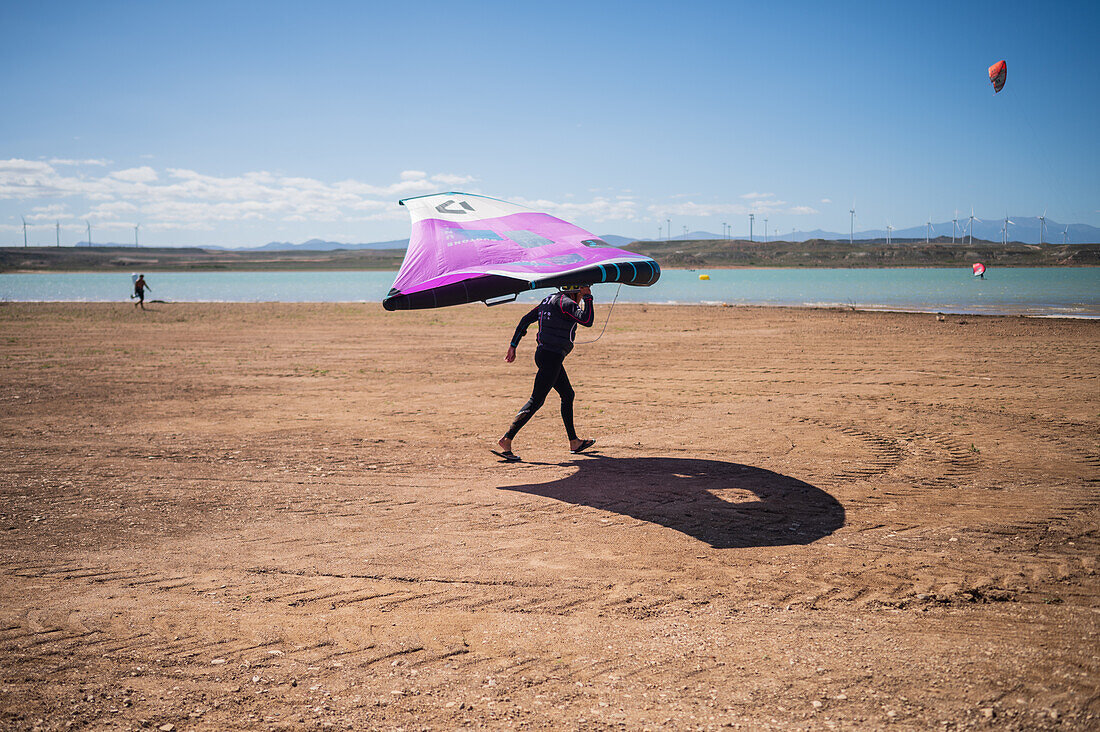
139,291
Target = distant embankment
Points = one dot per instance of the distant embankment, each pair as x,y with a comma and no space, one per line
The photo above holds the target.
832,253
687,253
147,259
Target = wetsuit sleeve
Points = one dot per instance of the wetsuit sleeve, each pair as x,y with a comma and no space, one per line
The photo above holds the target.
524,324
574,312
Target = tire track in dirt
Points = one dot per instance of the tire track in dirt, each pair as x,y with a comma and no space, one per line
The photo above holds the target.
887,453
641,602
1072,441
898,479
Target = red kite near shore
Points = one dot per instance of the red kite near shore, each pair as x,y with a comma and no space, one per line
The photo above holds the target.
997,74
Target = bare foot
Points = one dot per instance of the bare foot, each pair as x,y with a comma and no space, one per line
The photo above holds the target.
505,444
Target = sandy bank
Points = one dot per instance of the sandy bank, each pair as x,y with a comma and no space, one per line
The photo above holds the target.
270,516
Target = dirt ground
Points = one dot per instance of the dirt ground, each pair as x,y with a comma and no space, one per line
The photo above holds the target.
278,516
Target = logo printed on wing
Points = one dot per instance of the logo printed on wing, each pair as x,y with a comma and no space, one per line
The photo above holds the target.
443,207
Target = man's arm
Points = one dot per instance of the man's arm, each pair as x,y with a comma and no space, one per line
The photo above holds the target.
524,324
584,317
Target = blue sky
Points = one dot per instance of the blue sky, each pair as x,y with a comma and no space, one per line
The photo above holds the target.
237,123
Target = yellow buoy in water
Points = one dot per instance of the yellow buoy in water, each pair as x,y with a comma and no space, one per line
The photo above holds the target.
704,277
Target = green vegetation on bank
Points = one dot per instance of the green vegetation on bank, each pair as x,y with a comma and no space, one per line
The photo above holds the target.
704,253
168,259
938,252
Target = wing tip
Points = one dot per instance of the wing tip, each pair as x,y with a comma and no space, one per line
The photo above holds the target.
442,193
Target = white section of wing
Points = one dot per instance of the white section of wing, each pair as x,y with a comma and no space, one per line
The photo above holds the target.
459,207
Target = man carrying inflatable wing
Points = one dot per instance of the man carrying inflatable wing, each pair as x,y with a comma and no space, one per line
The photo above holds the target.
558,317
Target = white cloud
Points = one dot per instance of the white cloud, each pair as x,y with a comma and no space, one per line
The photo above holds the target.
598,209
110,211
453,180
826,200
144,174
70,161
26,167
692,208
188,199
51,212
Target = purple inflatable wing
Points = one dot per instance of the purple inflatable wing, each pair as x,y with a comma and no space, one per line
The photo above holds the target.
465,248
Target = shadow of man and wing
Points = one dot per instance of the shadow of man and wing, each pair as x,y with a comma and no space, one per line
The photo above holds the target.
726,505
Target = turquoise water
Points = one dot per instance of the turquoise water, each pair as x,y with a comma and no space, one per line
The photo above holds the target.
1030,291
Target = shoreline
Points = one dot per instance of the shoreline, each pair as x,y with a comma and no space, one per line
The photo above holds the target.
664,268
743,306
1013,292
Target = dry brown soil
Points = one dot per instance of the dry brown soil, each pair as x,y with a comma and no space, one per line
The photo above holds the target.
286,516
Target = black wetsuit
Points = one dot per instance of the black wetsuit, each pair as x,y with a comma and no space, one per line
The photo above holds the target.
558,318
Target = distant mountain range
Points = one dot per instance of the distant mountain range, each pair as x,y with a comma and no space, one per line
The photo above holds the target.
1023,229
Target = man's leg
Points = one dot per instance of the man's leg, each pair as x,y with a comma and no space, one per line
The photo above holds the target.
549,365
563,387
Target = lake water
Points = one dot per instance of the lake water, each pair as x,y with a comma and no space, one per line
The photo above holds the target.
1070,291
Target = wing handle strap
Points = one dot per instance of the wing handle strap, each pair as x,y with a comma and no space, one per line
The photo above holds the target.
501,300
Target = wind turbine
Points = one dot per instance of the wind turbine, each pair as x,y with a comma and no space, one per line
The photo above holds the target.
928,228
669,222
889,229
954,225
58,232
1042,226
24,231
970,227
1065,233
135,235
725,231
765,230
89,232
852,225
752,217
1007,222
